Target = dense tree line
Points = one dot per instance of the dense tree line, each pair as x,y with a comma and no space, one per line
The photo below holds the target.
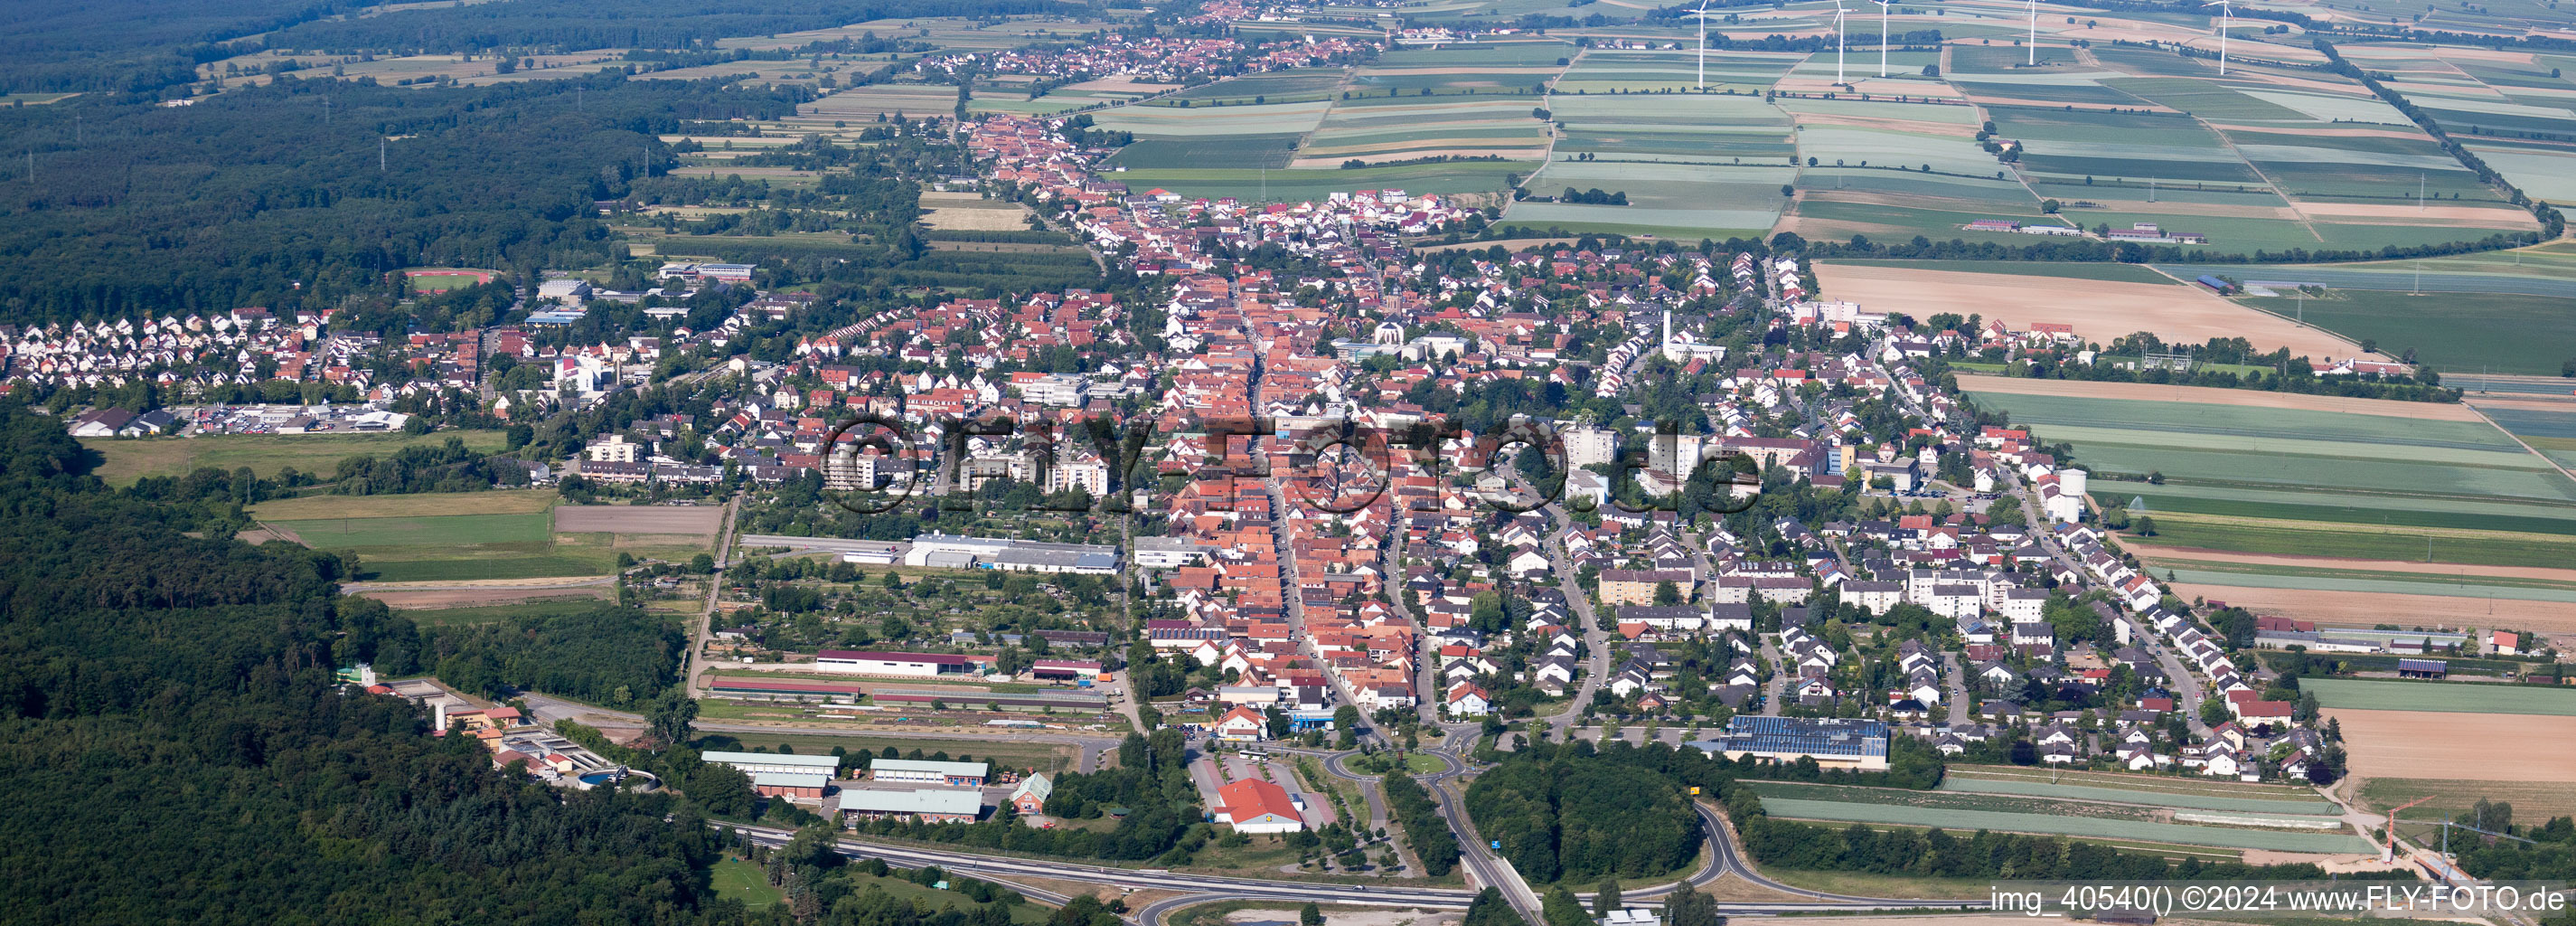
1413,808
302,194
173,746
1576,817
570,25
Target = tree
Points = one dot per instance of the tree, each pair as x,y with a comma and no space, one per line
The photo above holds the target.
722,790
2049,206
1490,909
2213,712
1560,908
1605,898
1689,907
1667,593
672,715
1310,915
702,564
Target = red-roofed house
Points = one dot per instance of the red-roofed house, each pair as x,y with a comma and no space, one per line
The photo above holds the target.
1256,806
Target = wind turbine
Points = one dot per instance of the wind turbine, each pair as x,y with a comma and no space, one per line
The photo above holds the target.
1703,44
1838,42
2034,33
2226,18
1883,7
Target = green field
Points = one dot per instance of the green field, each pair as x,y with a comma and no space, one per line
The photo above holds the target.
2194,785
442,282
485,614
2059,825
2117,806
2446,697
2084,793
2404,545
2453,332
462,536
2530,800
1296,185
741,880
128,460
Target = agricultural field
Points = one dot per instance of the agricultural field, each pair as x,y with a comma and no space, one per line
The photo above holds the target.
2264,158
1622,71
2100,311
2508,108
858,104
126,460
972,212
2332,483
1406,128
1692,166
2498,733
2187,793
1959,811
2531,800
2445,697
2509,333
481,535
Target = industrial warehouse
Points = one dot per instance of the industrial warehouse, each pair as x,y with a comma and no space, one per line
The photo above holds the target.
1832,742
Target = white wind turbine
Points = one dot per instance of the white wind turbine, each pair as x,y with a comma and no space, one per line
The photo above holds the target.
2034,33
2226,18
1883,7
1703,44
1838,42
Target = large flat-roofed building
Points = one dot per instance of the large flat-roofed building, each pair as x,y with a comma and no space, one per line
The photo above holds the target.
917,771
743,688
757,763
877,662
953,552
1833,742
924,805
1169,552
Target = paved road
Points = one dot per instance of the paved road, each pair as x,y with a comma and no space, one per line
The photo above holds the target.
1960,710
1778,685
1198,888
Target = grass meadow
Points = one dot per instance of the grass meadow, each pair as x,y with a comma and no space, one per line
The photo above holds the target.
128,459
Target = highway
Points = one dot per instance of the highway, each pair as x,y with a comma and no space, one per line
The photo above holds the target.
1198,888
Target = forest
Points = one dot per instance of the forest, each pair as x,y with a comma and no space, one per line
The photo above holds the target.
1577,817
173,747
300,193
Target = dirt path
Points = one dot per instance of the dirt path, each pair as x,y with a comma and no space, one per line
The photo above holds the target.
2368,608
